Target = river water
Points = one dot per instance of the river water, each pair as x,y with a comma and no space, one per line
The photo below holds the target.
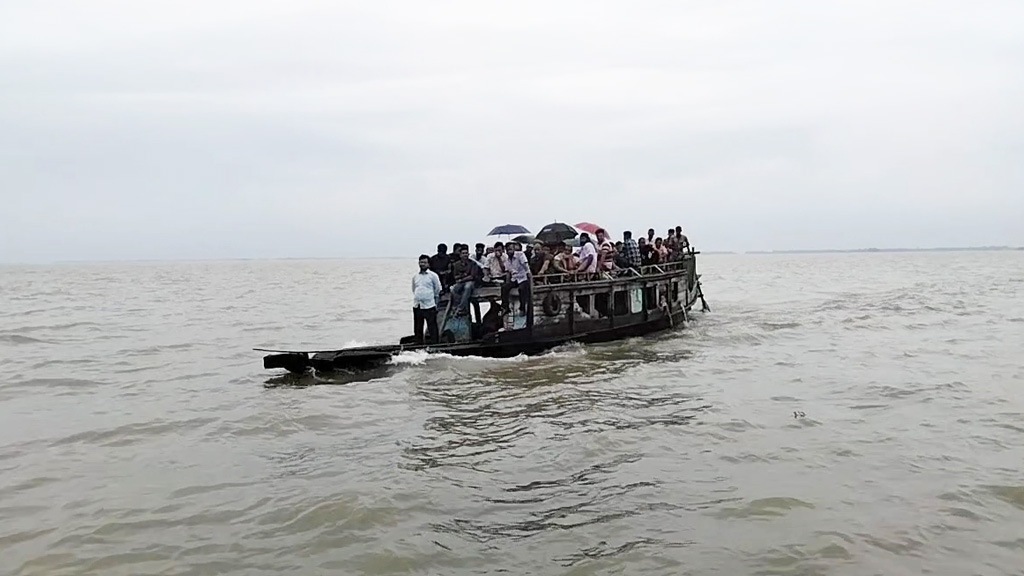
834,414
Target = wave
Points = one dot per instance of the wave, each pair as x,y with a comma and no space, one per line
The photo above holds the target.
19,339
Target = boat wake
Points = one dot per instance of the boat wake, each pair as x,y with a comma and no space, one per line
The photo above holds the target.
355,344
420,357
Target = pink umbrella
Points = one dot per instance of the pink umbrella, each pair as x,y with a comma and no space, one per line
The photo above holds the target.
588,227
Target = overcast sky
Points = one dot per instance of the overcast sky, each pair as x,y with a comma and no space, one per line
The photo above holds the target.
184,129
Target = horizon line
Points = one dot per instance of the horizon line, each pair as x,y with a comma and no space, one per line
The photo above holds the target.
708,252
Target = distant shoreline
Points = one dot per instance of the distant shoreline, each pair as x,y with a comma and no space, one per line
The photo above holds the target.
874,250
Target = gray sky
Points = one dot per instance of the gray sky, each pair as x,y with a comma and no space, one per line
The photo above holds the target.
188,129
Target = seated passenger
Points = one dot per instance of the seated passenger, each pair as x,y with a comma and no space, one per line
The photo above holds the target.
606,258
497,263
493,320
466,274
480,258
541,261
620,261
587,256
660,253
565,260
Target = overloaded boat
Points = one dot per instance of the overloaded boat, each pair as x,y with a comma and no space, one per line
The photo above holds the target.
563,308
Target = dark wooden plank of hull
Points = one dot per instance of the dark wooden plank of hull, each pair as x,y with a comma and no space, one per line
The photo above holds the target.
508,344
362,359
296,362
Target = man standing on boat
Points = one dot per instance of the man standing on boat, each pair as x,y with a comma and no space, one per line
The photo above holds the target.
670,243
681,239
630,250
441,264
519,271
426,287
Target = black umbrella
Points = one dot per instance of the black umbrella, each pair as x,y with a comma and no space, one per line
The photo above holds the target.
509,229
556,233
524,239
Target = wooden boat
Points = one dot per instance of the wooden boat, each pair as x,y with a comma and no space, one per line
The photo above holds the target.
564,308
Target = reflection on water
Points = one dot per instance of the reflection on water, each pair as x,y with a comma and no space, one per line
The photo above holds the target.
825,419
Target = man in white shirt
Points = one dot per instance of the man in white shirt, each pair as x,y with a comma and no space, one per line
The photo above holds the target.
480,258
426,286
496,266
519,277
587,257
605,251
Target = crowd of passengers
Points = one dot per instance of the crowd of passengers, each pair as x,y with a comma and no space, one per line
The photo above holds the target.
510,265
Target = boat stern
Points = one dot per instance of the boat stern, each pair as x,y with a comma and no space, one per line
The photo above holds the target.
295,362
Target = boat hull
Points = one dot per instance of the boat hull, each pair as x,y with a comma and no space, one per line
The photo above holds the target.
360,359
589,312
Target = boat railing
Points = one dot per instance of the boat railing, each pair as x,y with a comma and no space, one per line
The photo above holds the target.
566,280
641,272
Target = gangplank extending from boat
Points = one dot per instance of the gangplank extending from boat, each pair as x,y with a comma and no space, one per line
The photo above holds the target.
564,308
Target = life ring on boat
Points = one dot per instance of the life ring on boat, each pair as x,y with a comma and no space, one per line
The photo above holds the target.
552,304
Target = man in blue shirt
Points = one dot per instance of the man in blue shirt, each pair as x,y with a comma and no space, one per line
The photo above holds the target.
426,286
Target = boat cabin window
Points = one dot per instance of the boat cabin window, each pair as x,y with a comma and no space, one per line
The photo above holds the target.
485,322
621,302
584,302
675,291
651,297
601,305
